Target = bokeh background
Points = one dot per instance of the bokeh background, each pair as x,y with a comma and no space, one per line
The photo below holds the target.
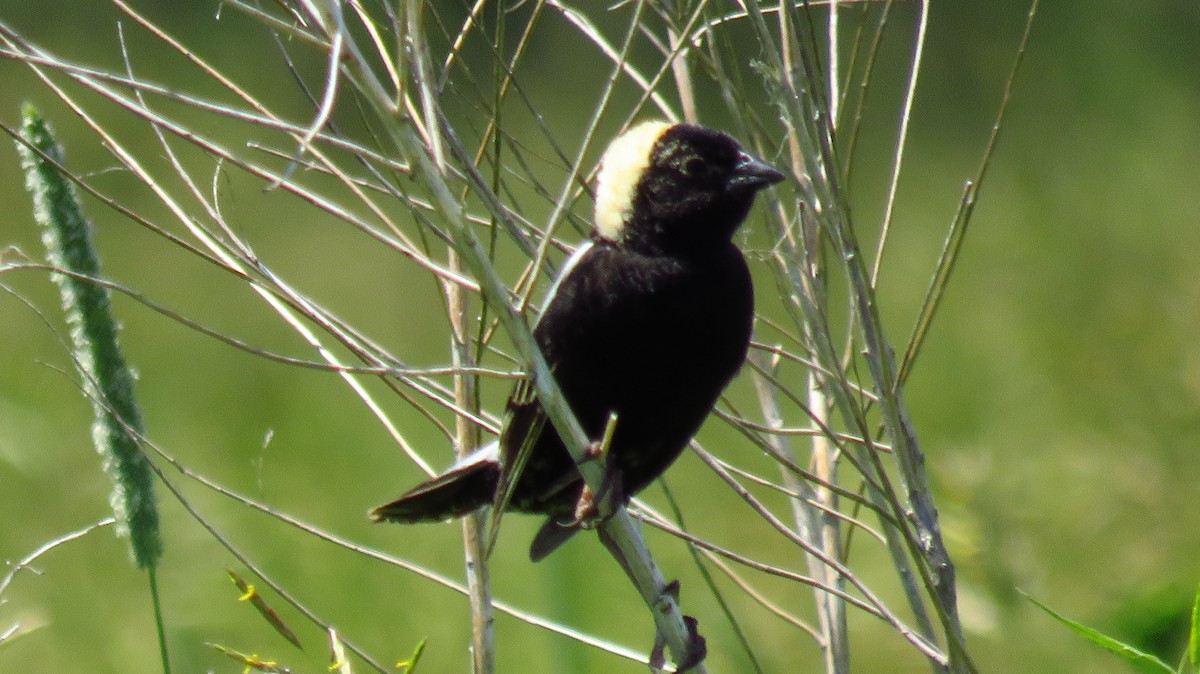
1058,398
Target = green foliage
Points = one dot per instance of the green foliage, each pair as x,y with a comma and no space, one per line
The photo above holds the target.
1142,660
409,666
250,594
1193,650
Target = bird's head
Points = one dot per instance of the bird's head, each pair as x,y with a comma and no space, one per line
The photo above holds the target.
673,187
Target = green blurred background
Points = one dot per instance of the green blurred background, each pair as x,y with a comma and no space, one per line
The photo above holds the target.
1058,397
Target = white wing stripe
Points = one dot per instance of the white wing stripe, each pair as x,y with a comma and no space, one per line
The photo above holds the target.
567,268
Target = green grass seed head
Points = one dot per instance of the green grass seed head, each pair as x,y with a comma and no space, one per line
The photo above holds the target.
107,379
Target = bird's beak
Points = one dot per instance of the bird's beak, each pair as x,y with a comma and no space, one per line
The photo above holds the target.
753,174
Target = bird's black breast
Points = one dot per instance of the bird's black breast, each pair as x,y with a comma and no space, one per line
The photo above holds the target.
654,339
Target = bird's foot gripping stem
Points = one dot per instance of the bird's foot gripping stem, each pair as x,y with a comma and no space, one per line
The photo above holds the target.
696,649
595,506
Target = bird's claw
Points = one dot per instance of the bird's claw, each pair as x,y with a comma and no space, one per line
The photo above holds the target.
593,506
696,648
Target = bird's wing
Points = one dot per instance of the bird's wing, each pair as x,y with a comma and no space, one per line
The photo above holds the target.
452,494
524,421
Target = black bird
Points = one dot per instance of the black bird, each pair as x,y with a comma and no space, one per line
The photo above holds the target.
649,319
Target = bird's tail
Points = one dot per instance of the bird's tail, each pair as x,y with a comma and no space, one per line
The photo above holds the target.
464,488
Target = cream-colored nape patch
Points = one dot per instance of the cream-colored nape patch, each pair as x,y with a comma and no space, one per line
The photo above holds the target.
620,169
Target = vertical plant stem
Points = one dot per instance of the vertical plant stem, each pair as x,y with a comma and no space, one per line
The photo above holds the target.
819,528
160,628
834,67
918,535
828,538
902,138
474,526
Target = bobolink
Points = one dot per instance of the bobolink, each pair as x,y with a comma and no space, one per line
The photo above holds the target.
649,319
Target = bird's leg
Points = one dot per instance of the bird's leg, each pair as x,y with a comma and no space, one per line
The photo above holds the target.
595,506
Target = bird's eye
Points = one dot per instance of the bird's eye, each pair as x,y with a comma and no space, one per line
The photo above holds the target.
695,167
